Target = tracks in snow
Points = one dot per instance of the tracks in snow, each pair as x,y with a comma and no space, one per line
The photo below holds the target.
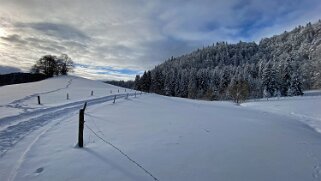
16,167
15,128
18,103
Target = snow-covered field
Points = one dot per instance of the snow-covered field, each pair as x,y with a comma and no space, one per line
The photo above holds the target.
158,137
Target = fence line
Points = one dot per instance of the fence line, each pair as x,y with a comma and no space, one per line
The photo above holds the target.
92,94
112,145
91,118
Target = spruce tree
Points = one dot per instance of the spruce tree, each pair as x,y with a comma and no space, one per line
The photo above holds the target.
269,80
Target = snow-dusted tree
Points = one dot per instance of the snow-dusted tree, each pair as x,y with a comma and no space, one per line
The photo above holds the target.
192,84
307,75
183,83
269,80
295,88
224,81
285,71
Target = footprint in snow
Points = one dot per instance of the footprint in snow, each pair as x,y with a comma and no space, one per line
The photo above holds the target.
39,170
207,130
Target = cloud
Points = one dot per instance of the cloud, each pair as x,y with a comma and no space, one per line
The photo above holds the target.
14,38
128,36
61,31
106,72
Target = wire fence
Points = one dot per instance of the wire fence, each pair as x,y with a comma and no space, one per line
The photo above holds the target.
92,118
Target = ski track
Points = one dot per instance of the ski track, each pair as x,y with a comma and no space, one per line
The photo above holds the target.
18,103
30,121
17,166
311,122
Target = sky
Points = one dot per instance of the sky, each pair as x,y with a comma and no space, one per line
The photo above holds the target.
117,39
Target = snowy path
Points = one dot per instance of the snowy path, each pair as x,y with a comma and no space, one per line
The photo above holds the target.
29,121
303,108
34,125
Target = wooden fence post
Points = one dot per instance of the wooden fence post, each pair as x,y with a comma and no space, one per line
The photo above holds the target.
85,106
92,93
39,100
125,90
114,99
135,93
118,90
67,96
81,126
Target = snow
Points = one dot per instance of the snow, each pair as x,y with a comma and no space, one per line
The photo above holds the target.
53,92
172,138
304,108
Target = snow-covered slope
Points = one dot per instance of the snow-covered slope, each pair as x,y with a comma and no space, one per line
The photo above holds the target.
152,137
305,108
53,92
20,113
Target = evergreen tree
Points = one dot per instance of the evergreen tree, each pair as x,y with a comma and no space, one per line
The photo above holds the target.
192,85
157,81
269,81
137,83
295,86
145,81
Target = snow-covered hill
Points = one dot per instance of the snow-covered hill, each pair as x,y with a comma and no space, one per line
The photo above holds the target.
153,137
53,92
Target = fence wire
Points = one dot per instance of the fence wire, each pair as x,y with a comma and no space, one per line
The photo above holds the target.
121,152
93,120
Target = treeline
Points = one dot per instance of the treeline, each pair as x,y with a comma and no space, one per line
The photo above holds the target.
126,84
18,78
283,65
